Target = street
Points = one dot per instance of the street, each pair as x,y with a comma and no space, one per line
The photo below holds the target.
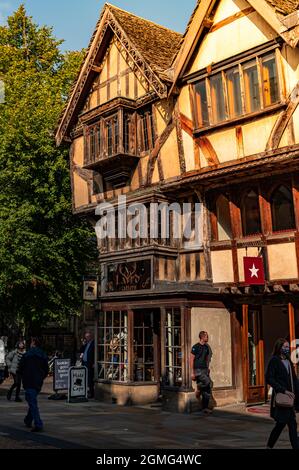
96,425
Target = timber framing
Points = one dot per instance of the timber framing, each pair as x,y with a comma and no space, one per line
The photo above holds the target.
200,24
106,27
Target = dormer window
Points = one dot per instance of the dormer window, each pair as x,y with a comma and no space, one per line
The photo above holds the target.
113,142
241,90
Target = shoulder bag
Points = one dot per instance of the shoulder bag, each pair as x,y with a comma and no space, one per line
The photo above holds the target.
282,400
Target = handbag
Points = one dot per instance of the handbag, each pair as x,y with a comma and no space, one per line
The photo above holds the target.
285,401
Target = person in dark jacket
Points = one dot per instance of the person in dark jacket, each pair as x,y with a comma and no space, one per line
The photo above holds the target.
87,357
281,377
200,359
33,369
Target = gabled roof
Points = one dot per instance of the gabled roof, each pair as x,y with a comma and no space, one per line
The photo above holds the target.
157,44
151,47
271,10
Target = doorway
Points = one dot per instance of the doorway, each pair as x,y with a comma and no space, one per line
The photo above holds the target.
146,346
262,326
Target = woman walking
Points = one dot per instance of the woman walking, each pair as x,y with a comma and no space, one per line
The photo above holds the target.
13,360
281,377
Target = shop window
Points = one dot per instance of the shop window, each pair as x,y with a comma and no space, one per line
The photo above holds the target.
258,78
113,346
282,209
223,218
144,346
173,347
251,221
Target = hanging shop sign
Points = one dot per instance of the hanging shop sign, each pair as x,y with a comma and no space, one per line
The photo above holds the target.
254,270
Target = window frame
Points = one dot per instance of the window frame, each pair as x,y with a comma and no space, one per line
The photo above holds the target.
271,192
206,77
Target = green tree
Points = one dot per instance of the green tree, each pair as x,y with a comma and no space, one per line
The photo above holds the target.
44,249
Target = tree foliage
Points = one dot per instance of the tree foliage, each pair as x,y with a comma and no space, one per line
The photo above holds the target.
44,249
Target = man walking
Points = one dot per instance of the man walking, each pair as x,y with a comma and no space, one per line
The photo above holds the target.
87,355
33,369
200,358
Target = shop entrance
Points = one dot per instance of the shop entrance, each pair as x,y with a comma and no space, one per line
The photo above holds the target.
262,326
146,346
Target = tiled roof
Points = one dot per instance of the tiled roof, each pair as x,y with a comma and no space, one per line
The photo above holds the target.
284,6
157,45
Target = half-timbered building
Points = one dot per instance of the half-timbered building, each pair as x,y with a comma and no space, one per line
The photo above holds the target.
210,116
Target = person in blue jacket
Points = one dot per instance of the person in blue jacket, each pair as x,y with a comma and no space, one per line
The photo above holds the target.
33,369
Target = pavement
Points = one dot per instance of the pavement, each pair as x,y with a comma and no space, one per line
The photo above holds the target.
95,425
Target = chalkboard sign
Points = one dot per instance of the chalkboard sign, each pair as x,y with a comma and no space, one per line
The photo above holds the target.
77,384
61,374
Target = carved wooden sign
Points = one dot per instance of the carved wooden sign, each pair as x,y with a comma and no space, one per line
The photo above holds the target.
131,276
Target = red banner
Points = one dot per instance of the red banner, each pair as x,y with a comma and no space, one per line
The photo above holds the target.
254,270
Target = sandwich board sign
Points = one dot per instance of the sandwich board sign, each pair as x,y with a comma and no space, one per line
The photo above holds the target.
77,384
61,374
60,378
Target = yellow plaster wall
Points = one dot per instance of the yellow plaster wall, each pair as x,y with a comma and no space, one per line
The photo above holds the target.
185,103
78,151
113,60
296,124
156,177
238,36
80,191
217,322
188,151
222,266
225,144
252,143
170,156
135,180
163,110
282,261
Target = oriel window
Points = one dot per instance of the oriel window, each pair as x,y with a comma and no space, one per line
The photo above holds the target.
147,130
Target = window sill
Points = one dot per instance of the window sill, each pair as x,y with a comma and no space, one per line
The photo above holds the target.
239,120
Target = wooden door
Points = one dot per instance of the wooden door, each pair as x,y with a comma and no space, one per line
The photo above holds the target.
253,355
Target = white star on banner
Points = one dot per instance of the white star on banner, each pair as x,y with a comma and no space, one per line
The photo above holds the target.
254,271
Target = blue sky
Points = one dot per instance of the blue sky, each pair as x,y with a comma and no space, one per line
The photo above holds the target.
74,20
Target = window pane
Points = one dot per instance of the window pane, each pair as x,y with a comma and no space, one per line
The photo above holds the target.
201,104
282,209
173,348
223,218
217,98
234,92
251,214
113,350
251,82
270,80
